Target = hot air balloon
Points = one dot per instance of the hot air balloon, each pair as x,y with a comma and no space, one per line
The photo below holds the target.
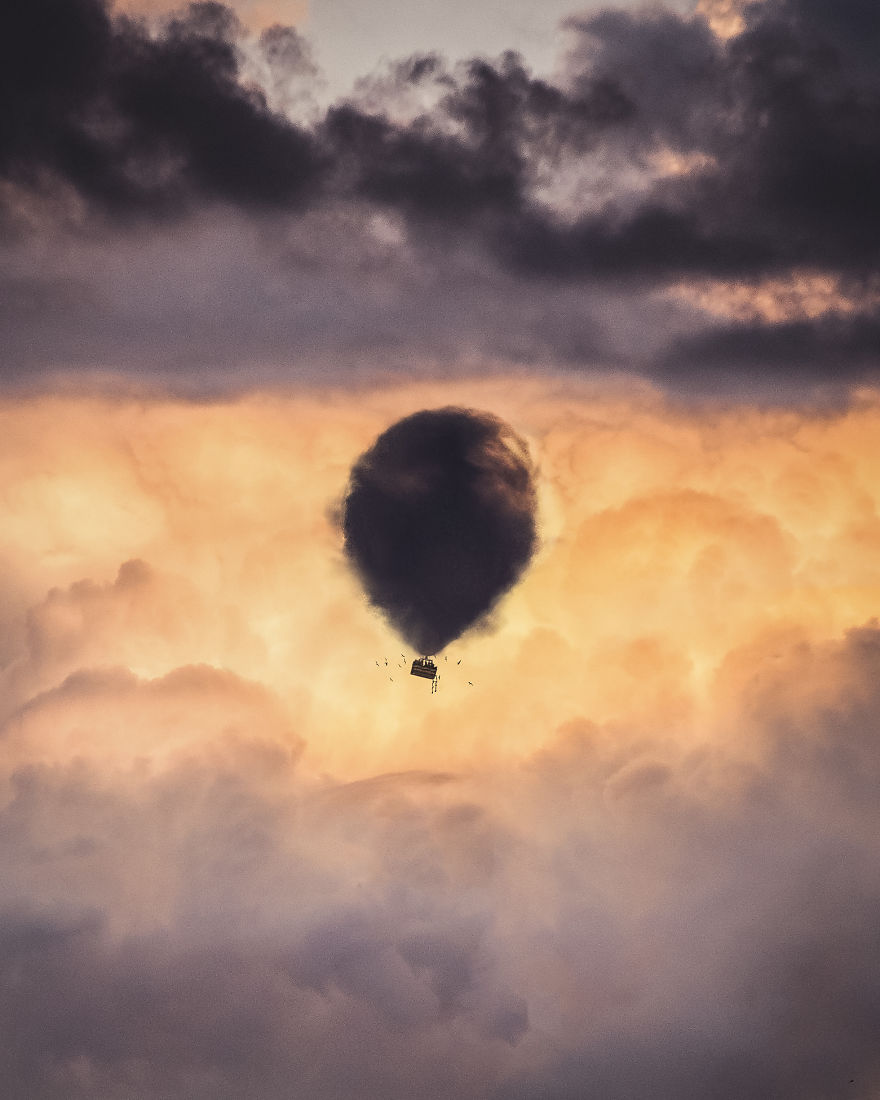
439,521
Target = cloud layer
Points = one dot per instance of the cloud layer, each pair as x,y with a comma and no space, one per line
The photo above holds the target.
499,216
628,848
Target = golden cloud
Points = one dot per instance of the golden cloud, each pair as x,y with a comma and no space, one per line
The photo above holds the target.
155,535
799,296
255,14
725,17
628,847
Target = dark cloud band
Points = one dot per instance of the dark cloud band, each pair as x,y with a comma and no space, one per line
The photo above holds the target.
661,153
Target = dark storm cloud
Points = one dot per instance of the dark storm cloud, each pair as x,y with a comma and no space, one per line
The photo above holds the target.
827,350
650,245
783,126
439,521
787,127
472,156
133,120
789,131
811,152
665,66
140,123
144,125
661,153
221,304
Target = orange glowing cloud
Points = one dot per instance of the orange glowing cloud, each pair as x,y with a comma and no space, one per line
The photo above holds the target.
154,536
803,295
725,16
239,849
255,14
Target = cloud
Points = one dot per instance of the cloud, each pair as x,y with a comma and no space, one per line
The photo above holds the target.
635,854
726,17
254,13
647,515
832,352
629,847
134,123
176,206
138,121
595,916
779,130
784,126
802,296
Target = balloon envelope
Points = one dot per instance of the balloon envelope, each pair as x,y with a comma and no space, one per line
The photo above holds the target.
439,521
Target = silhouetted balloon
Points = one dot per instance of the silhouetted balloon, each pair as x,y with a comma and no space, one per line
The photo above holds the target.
439,521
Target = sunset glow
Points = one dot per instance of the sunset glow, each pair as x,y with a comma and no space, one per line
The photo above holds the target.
672,542
545,337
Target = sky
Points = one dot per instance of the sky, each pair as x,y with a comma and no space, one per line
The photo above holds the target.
628,849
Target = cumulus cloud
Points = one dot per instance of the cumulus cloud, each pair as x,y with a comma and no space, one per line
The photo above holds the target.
628,847
137,123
